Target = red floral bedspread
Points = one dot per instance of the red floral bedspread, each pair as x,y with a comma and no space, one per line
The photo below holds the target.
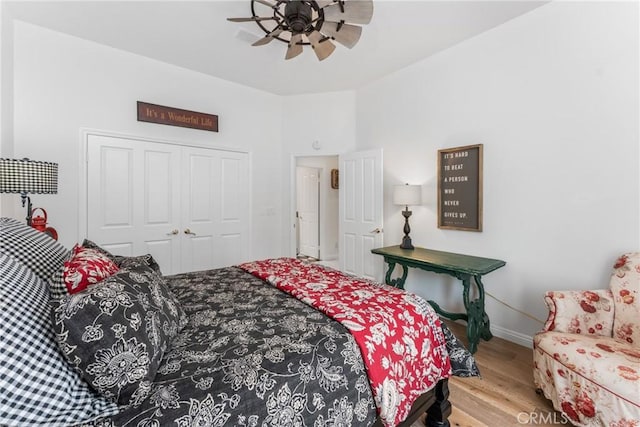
399,334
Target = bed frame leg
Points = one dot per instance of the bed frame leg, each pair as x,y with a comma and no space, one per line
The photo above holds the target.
438,413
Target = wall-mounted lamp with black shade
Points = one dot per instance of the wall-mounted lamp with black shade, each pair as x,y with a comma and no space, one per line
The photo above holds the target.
407,195
26,176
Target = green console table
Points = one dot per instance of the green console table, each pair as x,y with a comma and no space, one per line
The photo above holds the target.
462,267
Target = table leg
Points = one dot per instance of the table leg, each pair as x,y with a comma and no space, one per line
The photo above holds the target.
399,281
485,326
478,325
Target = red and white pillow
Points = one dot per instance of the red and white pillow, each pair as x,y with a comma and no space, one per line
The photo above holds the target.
87,266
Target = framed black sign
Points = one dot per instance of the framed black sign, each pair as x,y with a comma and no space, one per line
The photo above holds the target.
460,188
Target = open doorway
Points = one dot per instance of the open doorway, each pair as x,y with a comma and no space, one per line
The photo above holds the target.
316,238
308,212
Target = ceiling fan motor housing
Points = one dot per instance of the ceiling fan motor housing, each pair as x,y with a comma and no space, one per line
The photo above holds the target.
298,16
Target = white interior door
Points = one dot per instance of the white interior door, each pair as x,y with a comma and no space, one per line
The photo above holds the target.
308,208
361,213
215,213
133,198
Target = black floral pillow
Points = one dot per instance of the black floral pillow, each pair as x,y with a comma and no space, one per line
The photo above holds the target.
115,332
128,261
86,243
147,260
132,261
463,364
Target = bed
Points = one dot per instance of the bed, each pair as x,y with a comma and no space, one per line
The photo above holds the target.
230,346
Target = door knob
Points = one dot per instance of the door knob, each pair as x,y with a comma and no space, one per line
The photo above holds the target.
188,231
173,232
376,231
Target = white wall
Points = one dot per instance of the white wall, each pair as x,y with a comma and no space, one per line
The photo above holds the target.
63,84
7,201
329,204
553,96
328,119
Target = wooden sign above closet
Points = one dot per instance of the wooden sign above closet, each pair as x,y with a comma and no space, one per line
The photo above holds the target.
153,113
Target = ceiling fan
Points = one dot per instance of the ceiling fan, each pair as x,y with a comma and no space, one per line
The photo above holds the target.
310,22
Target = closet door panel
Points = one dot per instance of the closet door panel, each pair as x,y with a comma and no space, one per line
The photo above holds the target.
199,170
233,238
112,187
133,198
231,249
160,205
117,182
163,253
158,194
200,217
186,206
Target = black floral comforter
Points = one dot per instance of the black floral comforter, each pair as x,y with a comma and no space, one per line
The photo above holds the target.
251,355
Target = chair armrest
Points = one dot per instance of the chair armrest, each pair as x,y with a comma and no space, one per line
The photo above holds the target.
580,312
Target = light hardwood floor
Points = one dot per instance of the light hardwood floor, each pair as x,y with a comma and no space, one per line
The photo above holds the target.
505,395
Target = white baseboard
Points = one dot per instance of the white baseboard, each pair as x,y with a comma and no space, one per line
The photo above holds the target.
513,336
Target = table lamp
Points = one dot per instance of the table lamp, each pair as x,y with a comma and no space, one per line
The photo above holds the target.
407,195
26,176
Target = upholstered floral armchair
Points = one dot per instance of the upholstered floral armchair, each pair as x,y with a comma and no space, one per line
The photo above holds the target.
587,358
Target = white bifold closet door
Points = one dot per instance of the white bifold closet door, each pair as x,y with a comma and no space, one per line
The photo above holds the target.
186,206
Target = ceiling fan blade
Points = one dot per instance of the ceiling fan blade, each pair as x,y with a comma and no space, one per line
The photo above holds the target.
348,35
266,3
324,3
268,38
252,19
322,48
295,48
355,12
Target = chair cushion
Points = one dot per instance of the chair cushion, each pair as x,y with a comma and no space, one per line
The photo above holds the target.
580,312
594,380
36,250
37,386
625,286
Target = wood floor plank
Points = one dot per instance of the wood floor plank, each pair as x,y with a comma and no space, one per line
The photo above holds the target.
505,395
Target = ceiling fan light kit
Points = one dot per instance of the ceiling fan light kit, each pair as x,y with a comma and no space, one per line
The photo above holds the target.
310,22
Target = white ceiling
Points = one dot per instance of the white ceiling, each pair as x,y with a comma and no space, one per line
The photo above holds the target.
197,36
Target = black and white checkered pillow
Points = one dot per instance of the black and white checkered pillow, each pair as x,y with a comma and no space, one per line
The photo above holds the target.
57,287
36,250
37,385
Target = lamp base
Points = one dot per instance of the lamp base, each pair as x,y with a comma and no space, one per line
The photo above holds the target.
26,199
406,240
406,243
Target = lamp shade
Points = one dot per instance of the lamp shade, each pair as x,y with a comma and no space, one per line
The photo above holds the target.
28,176
407,195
